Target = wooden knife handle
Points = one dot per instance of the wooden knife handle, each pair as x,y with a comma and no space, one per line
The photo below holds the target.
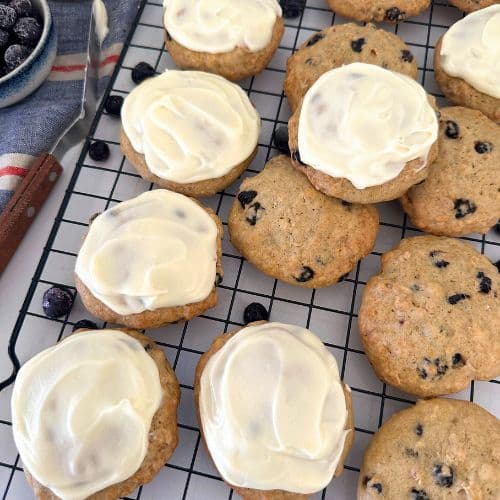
25,204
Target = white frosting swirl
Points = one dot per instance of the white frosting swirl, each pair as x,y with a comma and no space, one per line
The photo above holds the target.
365,123
471,50
82,410
190,126
273,409
156,250
217,26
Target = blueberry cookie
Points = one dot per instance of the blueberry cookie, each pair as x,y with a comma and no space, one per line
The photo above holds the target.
466,62
150,261
440,448
233,39
393,11
102,420
188,131
429,321
461,194
291,432
364,134
343,44
296,234
471,5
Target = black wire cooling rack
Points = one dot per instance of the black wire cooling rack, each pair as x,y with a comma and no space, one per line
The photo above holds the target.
331,313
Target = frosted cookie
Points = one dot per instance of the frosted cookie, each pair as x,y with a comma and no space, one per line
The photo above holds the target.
461,194
233,38
471,5
344,44
95,415
150,261
393,11
466,62
188,131
441,448
429,321
274,414
294,233
364,134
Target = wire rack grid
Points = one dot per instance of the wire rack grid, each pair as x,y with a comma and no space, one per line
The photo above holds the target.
331,313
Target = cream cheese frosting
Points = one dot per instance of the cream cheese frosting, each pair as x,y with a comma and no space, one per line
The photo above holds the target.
190,126
273,409
365,123
156,250
471,50
82,411
217,26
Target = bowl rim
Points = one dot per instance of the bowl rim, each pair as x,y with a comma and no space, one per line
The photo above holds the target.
47,24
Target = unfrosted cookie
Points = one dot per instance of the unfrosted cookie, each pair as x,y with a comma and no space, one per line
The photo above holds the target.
461,194
466,62
296,234
343,44
233,39
188,131
429,321
441,448
364,134
290,432
150,261
471,5
102,420
393,11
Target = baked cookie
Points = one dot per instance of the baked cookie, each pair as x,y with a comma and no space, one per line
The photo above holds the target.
102,420
429,321
233,39
150,261
364,134
471,5
441,448
466,62
393,11
191,132
461,194
344,44
290,433
296,234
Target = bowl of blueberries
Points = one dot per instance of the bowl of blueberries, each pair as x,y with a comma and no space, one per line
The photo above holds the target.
28,45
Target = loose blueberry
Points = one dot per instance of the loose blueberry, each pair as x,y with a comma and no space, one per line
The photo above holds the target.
142,71
418,494
457,360
463,207
255,312
246,197
485,283
8,17
483,147
27,31
305,275
57,301
292,8
254,213
455,299
394,15
280,139
357,45
443,475
84,323
419,430
407,56
114,105
99,151
4,39
315,39
15,55
452,129
23,8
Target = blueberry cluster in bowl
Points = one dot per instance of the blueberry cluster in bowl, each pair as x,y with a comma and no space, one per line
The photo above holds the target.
20,31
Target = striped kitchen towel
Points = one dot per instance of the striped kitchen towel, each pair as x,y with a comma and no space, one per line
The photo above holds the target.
36,124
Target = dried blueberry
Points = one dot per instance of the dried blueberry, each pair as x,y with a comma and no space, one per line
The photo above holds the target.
57,301
407,56
456,298
441,263
246,197
255,312
8,17
84,323
357,45
305,275
254,213
113,105
419,429
483,147
292,8
23,8
315,39
377,487
280,139
440,367
15,55
99,151
27,31
443,475
485,283
410,452
418,494
463,207
394,15
142,71
434,369
457,360
452,129
4,39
